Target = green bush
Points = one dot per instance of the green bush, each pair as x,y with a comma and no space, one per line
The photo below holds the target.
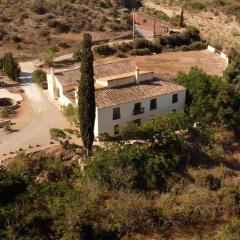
120,54
140,52
188,37
131,166
104,50
39,77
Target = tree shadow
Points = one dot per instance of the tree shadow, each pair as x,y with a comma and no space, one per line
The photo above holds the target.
194,157
64,63
25,79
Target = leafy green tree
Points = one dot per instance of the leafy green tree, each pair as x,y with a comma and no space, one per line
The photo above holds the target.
139,166
11,67
178,121
232,72
210,100
49,55
71,114
86,94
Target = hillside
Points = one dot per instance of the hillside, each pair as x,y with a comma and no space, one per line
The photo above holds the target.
218,23
29,27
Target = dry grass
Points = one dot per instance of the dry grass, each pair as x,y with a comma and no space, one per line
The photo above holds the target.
28,31
182,61
215,27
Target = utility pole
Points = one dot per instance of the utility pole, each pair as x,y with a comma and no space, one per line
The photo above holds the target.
133,17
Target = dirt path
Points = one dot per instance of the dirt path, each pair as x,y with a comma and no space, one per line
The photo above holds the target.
41,116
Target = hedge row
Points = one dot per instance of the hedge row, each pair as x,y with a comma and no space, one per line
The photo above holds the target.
186,41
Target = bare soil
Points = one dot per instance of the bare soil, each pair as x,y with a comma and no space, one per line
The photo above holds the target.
174,62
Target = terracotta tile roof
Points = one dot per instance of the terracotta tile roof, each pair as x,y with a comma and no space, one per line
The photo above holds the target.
109,97
70,78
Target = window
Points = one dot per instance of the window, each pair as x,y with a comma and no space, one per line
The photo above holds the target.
174,110
138,109
144,20
174,98
116,113
137,122
116,129
153,104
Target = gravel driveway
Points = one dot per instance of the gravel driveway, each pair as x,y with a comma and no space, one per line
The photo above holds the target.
43,116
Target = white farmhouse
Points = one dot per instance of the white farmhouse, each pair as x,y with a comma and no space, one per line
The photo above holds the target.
124,94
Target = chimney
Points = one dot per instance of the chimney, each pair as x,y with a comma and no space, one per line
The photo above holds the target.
137,74
52,74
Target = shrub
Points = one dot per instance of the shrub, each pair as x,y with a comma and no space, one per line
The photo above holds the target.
39,77
120,54
230,231
196,208
60,26
196,46
104,50
38,7
44,33
49,55
188,37
10,186
64,45
140,52
144,44
71,113
124,47
231,199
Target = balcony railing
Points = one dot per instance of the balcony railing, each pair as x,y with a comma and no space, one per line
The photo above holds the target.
138,111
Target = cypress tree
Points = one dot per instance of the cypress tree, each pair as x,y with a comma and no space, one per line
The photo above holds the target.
86,94
181,22
11,67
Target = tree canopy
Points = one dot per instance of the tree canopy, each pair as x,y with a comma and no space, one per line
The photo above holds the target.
210,100
11,67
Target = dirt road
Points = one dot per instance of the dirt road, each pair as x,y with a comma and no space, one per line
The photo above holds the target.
42,115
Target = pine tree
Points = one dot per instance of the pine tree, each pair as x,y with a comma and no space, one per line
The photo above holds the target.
11,67
86,94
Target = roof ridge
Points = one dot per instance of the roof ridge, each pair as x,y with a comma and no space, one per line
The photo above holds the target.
68,70
124,60
96,65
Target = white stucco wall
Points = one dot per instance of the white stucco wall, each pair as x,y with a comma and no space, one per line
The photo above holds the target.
50,85
64,101
105,122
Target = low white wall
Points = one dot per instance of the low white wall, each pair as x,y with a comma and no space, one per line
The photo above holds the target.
222,54
211,49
